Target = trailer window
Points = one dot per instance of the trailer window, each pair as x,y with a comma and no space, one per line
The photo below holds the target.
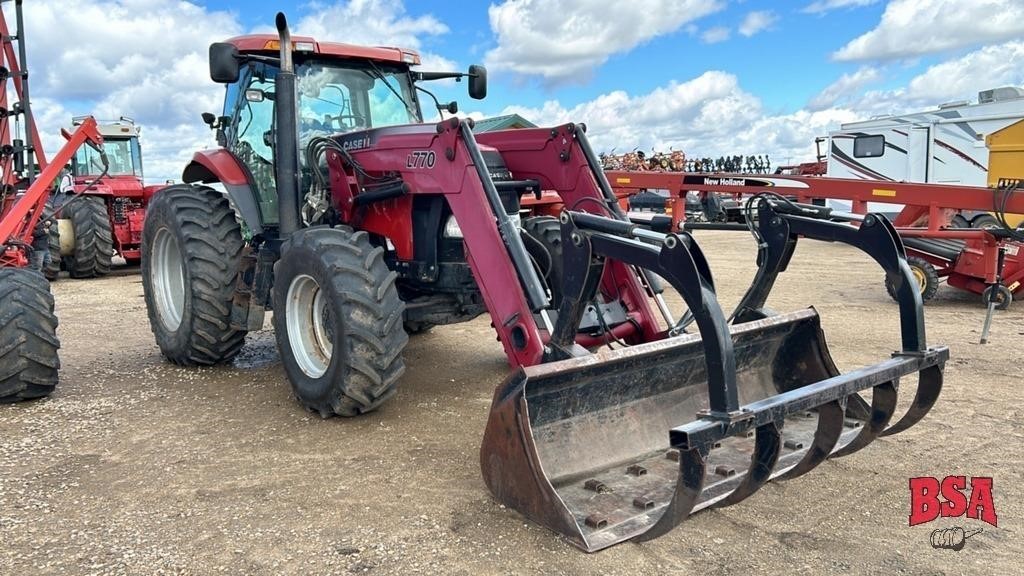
869,146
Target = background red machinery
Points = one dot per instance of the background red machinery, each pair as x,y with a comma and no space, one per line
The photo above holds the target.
968,258
109,214
28,324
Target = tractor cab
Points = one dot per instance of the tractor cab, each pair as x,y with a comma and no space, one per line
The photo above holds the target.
120,144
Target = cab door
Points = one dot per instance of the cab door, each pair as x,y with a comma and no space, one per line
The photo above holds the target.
250,136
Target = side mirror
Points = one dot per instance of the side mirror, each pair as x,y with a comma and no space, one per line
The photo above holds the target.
452,107
224,63
477,82
209,119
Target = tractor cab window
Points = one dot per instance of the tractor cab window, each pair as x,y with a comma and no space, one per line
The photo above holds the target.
336,98
123,157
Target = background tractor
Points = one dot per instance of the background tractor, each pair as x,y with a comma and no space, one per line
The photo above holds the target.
101,209
357,223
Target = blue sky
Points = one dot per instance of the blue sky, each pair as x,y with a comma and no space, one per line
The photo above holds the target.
710,77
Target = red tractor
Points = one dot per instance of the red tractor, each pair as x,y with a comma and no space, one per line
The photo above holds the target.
109,205
28,324
358,224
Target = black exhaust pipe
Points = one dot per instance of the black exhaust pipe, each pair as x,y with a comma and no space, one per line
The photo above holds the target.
286,135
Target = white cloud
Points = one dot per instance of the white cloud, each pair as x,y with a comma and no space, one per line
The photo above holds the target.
562,40
912,28
712,115
822,6
375,23
846,86
715,35
758,21
147,59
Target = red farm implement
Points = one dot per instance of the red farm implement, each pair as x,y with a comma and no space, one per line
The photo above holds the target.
28,325
976,260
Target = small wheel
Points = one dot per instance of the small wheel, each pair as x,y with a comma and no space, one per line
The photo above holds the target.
959,221
925,274
985,222
1003,297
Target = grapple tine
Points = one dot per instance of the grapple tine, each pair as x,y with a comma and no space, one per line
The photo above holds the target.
883,404
692,469
767,445
928,388
826,435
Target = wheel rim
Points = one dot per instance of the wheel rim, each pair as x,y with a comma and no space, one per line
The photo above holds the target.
922,280
167,272
308,334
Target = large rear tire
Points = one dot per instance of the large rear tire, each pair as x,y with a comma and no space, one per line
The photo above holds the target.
28,336
191,249
338,321
94,239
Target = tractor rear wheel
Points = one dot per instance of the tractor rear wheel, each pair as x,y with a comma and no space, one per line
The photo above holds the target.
28,336
926,275
543,239
338,321
94,240
191,250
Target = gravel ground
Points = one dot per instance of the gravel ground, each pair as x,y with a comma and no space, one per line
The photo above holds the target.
135,466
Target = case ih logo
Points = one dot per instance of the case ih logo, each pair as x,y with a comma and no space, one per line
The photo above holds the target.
925,506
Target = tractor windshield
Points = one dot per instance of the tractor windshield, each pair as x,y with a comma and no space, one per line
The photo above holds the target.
338,96
123,155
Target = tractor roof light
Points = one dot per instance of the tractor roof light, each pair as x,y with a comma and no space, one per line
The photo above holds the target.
296,46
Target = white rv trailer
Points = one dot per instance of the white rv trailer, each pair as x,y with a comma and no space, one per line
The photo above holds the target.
943,146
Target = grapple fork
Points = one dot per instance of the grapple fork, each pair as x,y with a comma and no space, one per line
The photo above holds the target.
579,443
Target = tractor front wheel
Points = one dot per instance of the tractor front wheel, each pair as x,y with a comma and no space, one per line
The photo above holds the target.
94,239
28,336
191,250
543,238
338,321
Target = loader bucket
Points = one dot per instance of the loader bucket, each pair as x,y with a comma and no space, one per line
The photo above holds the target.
626,443
582,445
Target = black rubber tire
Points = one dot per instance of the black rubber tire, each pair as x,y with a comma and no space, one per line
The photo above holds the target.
926,272
1003,299
209,239
52,270
94,239
958,221
984,221
363,316
544,243
28,336
416,328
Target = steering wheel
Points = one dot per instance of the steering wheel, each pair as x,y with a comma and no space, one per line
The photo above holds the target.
358,121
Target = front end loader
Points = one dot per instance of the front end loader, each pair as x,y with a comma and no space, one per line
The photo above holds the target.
358,224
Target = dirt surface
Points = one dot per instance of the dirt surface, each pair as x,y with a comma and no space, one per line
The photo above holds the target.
135,466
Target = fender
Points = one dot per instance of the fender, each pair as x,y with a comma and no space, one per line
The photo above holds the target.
220,165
